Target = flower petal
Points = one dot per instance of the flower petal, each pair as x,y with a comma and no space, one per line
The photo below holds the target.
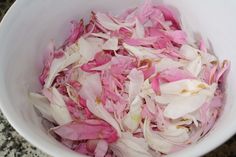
136,81
99,111
154,140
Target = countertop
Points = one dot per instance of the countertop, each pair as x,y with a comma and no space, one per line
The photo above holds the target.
13,145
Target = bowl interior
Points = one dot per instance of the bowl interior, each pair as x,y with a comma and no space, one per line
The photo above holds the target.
30,25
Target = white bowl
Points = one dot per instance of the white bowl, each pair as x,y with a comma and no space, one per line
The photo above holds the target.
31,24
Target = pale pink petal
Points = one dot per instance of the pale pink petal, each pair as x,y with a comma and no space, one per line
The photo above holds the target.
144,11
177,36
88,129
101,149
77,31
175,74
155,83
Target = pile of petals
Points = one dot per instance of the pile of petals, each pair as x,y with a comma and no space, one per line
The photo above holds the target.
130,85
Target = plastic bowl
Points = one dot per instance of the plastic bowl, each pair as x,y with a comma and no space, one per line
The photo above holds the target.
29,25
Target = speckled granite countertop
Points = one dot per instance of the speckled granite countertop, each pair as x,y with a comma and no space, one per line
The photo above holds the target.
13,145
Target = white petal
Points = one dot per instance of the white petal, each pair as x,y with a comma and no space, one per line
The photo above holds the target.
183,87
142,52
59,65
101,35
166,63
91,86
95,44
60,114
147,90
99,111
133,118
136,81
89,48
111,44
129,146
150,104
175,134
139,31
154,140
189,52
106,21
59,109
165,98
207,57
195,66
42,104
187,104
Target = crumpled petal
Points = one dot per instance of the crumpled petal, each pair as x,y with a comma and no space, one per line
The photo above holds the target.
129,146
111,44
133,118
136,80
195,66
88,129
175,74
101,148
167,63
99,111
91,86
59,109
42,104
154,140
142,52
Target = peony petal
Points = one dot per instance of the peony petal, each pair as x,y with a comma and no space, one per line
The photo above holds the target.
195,66
139,31
177,36
183,87
188,52
99,111
187,104
107,22
154,140
141,52
91,86
86,130
175,74
133,118
130,146
101,148
42,104
136,80
144,11
59,109
111,44
167,63
175,134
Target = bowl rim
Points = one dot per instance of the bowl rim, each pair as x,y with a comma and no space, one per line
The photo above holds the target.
11,13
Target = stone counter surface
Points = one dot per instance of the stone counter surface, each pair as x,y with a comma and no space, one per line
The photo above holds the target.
13,145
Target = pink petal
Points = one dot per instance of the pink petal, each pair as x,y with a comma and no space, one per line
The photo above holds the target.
202,46
177,36
155,83
148,71
47,63
144,11
87,129
101,148
147,114
224,68
76,32
175,74
141,42
169,15
100,58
